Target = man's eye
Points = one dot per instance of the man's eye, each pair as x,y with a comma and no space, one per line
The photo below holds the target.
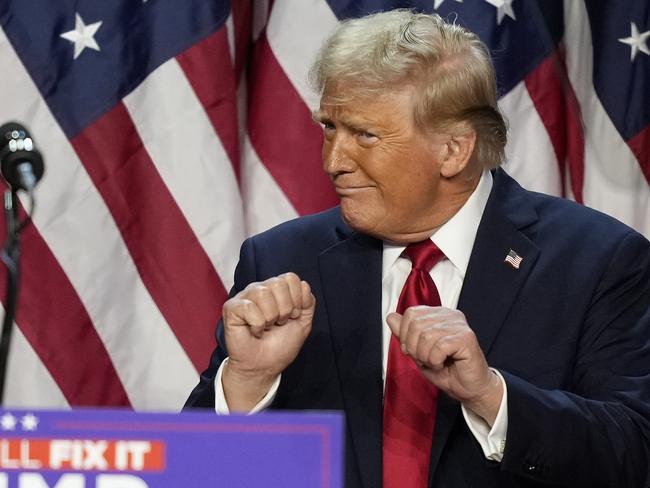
367,136
327,126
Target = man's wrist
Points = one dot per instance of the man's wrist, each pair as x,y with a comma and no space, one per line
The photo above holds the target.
243,390
492,439
487,404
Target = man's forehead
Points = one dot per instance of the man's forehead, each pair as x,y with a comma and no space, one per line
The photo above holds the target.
356,103
342,93
354,113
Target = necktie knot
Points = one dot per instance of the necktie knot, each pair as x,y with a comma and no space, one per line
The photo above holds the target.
424,254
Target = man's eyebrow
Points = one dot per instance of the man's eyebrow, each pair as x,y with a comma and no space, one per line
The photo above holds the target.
319,116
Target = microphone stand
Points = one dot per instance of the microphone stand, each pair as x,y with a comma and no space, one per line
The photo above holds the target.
21,165
10,256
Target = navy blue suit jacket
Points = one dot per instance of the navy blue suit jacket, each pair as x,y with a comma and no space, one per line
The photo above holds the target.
569,330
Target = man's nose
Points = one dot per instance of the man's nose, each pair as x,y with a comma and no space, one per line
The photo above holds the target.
336,158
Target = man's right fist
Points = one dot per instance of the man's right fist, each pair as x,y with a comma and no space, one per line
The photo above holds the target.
265,325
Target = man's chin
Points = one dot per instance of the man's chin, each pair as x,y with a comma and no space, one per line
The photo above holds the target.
360,222
371,226
354,219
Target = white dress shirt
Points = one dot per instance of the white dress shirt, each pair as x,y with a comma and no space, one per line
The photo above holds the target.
455,239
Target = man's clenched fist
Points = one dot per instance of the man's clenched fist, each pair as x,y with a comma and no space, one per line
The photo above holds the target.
265,324
449,355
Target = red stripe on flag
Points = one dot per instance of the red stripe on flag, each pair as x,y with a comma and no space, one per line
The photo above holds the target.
640,145
171,262
242,18
209,70
285,137
59,329
558,108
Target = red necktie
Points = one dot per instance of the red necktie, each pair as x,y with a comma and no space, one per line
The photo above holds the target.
409,398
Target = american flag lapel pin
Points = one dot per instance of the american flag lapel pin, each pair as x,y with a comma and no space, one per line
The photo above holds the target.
513,259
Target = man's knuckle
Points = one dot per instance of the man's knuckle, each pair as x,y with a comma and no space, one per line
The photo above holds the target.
467,335
247,305
408,314
429,334
458,316
306,285
252,285
420,311
234,305
278,286
273,282
290,277
259,292
418,319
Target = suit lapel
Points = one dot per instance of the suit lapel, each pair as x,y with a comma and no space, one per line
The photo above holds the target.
351,282
491,285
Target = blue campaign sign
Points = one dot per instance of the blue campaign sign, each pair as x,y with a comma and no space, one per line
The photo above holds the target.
123,449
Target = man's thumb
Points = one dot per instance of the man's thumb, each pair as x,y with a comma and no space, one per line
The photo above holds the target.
394,320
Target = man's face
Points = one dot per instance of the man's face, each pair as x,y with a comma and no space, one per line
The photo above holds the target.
385,171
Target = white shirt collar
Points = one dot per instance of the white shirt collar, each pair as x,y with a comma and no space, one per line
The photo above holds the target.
455,238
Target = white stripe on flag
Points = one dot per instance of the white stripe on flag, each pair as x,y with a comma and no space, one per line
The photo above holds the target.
29,383
230,31
295,31
266,204
613,183
530,157
198,172
78,228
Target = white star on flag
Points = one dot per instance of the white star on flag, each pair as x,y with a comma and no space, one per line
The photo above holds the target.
637,41
8,422
437,3
504,7
83,36
29,422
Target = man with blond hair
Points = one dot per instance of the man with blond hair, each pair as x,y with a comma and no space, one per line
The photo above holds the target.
474,333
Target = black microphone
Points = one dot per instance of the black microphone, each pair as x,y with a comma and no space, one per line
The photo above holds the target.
20,163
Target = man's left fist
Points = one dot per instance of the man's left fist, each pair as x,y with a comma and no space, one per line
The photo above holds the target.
448,353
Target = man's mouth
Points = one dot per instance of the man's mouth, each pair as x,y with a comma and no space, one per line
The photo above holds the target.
349,190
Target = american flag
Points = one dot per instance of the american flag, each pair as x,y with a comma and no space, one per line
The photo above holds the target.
172,129
513,259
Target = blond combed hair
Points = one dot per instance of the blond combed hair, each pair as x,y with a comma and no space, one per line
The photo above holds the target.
448,67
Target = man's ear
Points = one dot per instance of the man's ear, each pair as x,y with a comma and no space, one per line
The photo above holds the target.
458,151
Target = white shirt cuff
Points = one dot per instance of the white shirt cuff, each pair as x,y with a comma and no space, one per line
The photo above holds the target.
492,440
221,405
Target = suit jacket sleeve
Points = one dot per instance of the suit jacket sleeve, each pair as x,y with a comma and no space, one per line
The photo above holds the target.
598,432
